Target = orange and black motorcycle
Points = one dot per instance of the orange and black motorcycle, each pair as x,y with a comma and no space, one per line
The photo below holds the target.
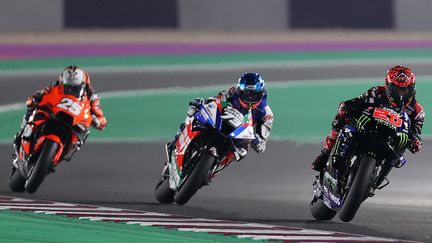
56,130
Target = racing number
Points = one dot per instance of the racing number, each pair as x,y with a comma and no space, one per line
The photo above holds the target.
70,105
387,116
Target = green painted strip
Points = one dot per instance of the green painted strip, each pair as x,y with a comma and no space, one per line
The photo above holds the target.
157,60
302,112
23,227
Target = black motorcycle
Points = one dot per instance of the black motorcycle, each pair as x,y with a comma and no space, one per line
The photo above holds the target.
363,155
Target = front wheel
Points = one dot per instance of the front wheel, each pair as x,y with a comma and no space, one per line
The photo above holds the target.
196,179
163,193
320,211
16,181
358,189
42,167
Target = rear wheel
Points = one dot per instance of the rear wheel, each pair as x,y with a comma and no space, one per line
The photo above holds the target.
16,181
42,167
163,193
320,211
196,179
358,189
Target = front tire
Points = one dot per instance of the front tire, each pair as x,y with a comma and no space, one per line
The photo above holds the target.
196,179
320,211
16,181
359,188
163,193
42,167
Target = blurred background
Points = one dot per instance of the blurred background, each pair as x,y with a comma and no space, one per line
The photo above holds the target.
224,15
148,59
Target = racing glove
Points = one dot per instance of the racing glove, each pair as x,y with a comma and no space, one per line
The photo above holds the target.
194,106
416,144
240,153
98,122
34,100
259,144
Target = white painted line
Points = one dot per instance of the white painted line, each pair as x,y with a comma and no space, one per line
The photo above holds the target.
37,204
95,212
199,224
143,219
108,209
257,231
145,68
50,208
22,200
12,107
321,238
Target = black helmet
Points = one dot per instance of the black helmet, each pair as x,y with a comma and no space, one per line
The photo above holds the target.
250,88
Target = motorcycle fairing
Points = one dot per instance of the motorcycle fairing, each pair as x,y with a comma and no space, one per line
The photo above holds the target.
52,104
209,114
175,164
382,115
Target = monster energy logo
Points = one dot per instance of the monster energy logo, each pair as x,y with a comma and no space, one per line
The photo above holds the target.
362,121
336,147
403,139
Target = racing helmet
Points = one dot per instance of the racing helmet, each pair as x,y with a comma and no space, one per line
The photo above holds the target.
251,90
74,80
400,85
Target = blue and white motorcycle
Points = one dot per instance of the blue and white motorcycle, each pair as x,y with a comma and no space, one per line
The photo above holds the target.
208,142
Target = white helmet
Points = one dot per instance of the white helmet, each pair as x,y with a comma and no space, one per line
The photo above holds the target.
74,79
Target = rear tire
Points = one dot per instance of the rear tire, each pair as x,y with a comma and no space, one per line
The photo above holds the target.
196,179
163,193
16,181
358,189
320,211
42,167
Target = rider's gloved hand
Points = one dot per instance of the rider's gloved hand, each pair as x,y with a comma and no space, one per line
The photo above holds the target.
240,153
416,144
194,106
259,144
95,122
34,100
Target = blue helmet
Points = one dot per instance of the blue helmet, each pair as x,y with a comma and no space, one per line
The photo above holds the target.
250,88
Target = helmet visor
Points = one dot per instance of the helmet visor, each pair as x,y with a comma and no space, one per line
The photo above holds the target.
74,90
400,95
251,96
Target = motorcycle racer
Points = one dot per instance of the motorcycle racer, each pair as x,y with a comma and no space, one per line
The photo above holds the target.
250,93
76,81
398,92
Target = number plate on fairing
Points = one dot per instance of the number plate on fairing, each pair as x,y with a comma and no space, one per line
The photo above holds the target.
387,117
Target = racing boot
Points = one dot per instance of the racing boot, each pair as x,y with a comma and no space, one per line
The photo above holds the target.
321,161
170,147
17,140
18,135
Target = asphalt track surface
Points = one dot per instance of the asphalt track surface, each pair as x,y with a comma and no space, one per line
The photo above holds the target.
273,188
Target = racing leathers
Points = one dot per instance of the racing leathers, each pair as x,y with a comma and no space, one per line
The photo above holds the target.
374,97
32,102
262,116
